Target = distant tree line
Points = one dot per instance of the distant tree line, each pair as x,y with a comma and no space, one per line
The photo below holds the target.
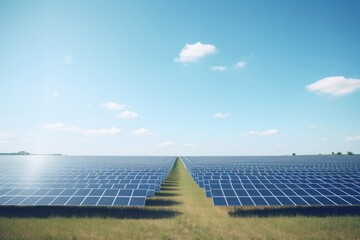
333,153
17,153
340,153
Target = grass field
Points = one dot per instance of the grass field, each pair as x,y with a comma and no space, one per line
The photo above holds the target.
179,211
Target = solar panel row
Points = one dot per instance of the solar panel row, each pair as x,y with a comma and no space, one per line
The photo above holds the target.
81,181
278,181
132,198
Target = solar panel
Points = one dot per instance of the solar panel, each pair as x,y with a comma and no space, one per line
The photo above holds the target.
278,181
81,181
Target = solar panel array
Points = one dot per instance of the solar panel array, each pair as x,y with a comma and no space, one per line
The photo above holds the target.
278,181
81,181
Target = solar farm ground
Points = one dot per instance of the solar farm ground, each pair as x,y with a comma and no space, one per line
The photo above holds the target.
179,211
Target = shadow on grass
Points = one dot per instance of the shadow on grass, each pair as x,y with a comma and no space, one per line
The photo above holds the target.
166,194
81,212
170,184
173,180
296,211
169,189
161,202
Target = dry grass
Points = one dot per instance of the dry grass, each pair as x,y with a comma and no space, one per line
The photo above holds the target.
193,216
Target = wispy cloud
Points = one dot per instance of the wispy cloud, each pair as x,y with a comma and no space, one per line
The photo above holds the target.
89,132
193,52
56,94
237,66
352,138
313,126
335,86
221,115
62,127
114,106
262,133
143,132
218,68
317,125
189,145
128,115
102,131
166,144
6,135
68,59
240,64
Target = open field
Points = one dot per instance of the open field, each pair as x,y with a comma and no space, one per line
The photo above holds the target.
179,211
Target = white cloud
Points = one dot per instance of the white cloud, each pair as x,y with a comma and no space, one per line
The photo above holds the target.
30,133
89,132
102,131
61,127
240,64
221,115
335,86
68,59
352,138
128,115
56,94
166,144
262,133
143,132
218,68
189,145
193,52
6,135
113,106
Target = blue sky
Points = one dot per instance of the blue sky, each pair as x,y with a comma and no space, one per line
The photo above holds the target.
180,77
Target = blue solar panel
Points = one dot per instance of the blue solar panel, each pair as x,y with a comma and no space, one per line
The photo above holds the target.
59,201
96,192
139,193
285,201
121,201
5,199
125,192
246,201
88,201
219,201
15,200
232,201
81,181
106,201
111,192
259,201
43,201
75,201
278,181
137,201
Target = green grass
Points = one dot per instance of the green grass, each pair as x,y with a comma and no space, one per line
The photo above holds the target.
179,211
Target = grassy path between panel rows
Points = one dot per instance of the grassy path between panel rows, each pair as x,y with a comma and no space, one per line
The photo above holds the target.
179,211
